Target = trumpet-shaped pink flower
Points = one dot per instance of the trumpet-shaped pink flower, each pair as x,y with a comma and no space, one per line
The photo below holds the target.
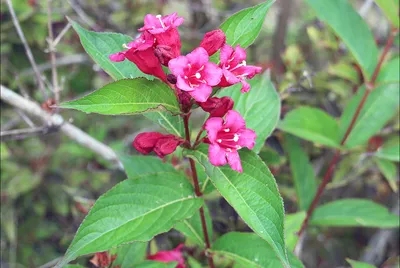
226,137
164,30
235,69
170,256
195,74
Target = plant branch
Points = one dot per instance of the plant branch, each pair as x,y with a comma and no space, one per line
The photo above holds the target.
328,175
52,48
68,129
27,49
198,193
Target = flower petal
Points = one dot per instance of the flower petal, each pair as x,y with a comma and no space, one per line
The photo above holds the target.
240,54
201,93
178,65
199,57
117,57
212,73
182,84
226,54
234,161
234,121
245,87
247,138
217,155
230,77
213,125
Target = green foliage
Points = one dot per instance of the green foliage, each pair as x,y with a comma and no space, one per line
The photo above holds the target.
247,250
155,264
358,264
390,151
312,124
372,117
391,10
136,165
354,212
253,194
390,72
130,96
192,229
153,203
351,28
292,226
260,107
302,172
130,254
389,171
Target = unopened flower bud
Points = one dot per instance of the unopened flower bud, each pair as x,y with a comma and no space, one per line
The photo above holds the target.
164,54
184,100
167,145
213,41
171,78
217,107
161,144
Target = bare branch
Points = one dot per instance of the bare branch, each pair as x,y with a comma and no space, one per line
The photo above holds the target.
68,129
50,40
27,49
61,34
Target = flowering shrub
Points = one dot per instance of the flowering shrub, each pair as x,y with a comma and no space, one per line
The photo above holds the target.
242,108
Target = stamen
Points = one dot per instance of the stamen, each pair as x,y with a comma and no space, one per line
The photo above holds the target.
197,75
189,65
159,18
185,77
236,137
227,130
229,150
219,140
244,63
125,46
238,147
231,59
201,68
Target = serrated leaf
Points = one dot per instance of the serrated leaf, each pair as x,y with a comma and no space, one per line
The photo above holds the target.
192,227
129,255
292,226
358,264
354,212
302,172
380,106
260,107
339,15
135,165
390,72
391,10
312,124
247,250
243,27
128,96
100,45
134,210
253,194
389,171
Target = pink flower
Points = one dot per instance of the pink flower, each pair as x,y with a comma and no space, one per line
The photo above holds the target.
195,74
217,107
170,256
235,70
213,41
226,137
163,28
141,52
161,144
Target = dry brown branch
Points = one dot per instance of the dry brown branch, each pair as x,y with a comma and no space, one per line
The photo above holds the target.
76,134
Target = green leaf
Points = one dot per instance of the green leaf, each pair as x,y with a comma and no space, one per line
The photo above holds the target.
302,172
354,212
389,151
391,10
292,226
247,250
358,264
340,15
171,123
156,264
312,124
345,71
390,72
192,227
260,107
389,171
243,27
129,255
134,210
100,45
136,165
253,194
380,106
128,96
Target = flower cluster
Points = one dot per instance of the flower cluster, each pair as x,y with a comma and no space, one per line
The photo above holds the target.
193,77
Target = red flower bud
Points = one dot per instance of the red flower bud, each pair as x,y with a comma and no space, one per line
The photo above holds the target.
213,41
161,144
374,143
184,100
147,62
172,79
103,259
164,54
217,107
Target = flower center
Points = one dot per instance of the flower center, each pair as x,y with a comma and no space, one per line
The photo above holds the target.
228,140
194,78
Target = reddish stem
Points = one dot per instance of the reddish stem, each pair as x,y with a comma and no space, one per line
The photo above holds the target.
198,193
328,175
